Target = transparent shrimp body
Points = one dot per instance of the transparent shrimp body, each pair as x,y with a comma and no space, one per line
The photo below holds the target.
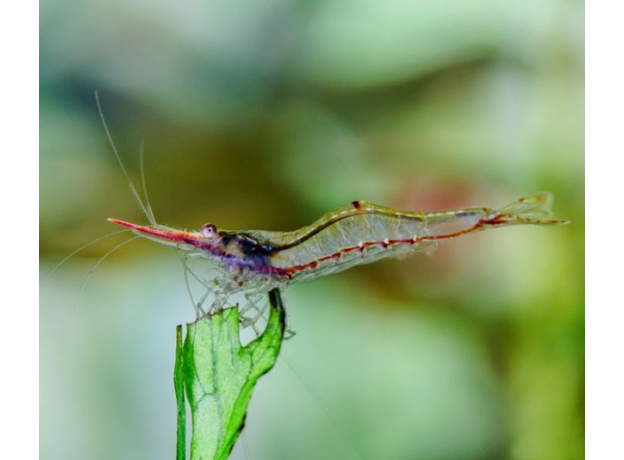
363,232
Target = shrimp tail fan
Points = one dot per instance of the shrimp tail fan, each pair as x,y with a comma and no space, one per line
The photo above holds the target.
535,209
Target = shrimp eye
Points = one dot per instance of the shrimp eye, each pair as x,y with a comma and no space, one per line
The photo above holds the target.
209,230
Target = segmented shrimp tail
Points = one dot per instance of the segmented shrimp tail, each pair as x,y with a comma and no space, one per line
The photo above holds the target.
534,209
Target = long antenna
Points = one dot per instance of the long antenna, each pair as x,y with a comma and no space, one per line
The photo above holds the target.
148,206
83,247
133,190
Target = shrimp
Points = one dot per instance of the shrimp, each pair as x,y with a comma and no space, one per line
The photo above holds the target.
257,261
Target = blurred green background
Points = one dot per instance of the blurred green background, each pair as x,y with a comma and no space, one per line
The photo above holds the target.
267,114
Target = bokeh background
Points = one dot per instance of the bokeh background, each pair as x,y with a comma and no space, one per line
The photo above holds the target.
267,114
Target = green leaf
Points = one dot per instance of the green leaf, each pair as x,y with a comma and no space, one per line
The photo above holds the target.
178,384
218,375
